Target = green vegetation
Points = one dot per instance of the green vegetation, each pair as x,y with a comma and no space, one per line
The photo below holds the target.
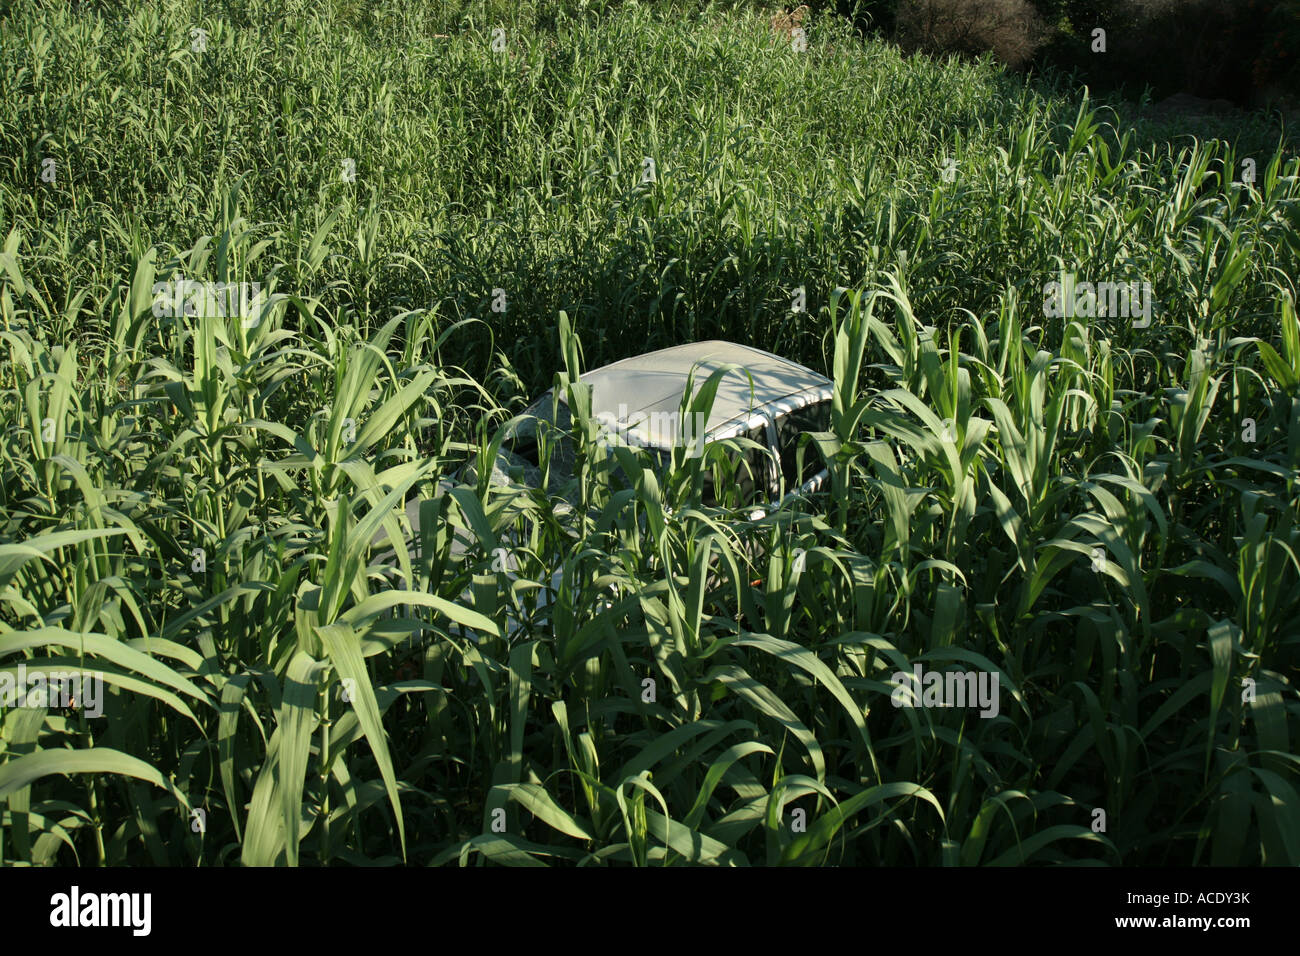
189,503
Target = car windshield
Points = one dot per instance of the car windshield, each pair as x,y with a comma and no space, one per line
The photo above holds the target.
811,418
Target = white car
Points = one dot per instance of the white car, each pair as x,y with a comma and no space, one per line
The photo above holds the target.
765,398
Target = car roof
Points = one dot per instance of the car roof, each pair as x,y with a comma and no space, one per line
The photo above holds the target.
643,394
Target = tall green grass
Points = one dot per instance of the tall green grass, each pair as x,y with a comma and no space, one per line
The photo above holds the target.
196,507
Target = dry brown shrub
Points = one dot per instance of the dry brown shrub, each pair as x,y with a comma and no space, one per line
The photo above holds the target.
784,23
1011,29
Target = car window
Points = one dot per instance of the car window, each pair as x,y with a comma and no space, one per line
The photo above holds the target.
522,443
522,440
749,476
811,418
657,460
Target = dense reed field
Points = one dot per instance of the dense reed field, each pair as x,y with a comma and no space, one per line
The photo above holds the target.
1100,510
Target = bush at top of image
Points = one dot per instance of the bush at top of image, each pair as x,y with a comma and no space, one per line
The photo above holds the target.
1011,29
